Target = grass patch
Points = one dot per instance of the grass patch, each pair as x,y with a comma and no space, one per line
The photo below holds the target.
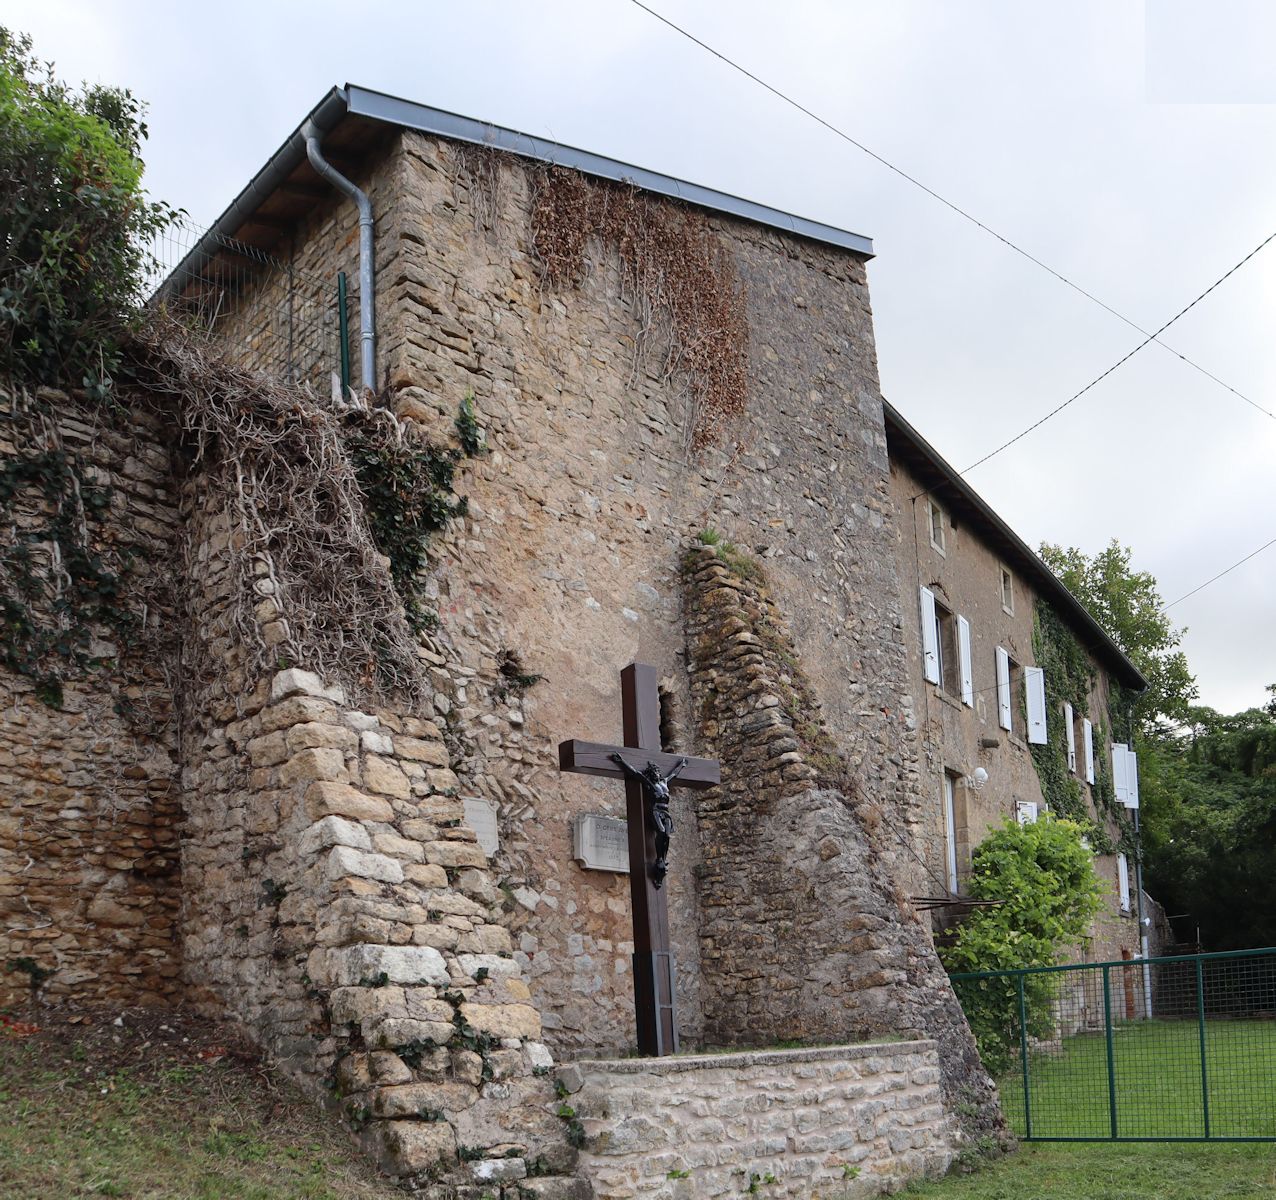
1157,1070
1108,1171
162,1109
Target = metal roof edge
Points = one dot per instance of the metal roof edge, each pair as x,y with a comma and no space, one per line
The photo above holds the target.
394,110
1046,579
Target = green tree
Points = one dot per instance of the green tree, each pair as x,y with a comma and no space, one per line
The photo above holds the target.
74,223
1128,605
1042,879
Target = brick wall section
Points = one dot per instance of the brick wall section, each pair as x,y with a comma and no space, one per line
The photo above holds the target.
839,1121
805,931
89,880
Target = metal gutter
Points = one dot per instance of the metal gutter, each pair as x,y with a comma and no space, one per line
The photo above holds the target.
323,117
1044,579
393,110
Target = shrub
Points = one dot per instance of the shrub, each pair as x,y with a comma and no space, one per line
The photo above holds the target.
1043,878
76,224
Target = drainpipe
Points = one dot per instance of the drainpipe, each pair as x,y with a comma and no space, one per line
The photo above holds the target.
367,283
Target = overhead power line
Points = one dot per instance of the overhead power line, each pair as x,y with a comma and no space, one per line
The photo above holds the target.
961,212
1216,578
1054,412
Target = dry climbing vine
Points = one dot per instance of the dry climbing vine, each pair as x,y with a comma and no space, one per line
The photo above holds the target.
688,291
305,486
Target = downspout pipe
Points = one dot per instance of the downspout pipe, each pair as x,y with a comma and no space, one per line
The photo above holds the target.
367,277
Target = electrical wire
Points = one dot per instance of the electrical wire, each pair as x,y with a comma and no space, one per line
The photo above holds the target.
961,212
1216,578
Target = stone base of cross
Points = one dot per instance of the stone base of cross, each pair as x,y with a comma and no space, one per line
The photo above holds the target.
649,772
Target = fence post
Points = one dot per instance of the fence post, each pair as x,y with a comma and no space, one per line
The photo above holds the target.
1023,1058
343,333
1200,1023
1107,1029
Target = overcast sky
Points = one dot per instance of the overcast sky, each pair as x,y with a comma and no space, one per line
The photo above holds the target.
1127,144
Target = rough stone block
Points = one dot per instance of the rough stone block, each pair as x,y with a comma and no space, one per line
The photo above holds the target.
347,966
321,763
498,1170
503,1020
382,775
432,754
333,831
407,1147
317,733
359,1004
493,965
426,875
340,799
455,854
375,742
344,860
294,681
397,847
402,1031
413,1099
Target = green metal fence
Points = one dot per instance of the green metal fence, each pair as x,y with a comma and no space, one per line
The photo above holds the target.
1162,1049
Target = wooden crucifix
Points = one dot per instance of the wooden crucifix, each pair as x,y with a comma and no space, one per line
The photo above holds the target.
649,772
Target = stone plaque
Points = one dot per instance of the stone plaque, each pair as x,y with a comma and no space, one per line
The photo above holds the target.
480,816
601,843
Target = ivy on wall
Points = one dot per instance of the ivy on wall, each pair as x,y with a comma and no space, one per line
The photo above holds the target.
1069,678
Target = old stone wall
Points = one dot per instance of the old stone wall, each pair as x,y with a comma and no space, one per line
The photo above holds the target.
89,874
580,510
838,1121
805,930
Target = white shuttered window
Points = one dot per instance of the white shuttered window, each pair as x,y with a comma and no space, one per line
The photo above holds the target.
1003,688
1070,732
1123,881
1034,681
930,637
963,659
1087,745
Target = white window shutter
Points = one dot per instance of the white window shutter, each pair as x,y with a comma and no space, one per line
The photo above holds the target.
930,638
1131,779
1003,688
1087,742
1123,881
1034,680
1119,769
963,657
1026,812
1070,730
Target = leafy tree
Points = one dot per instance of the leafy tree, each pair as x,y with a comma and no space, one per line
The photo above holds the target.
1042,877
1128,605
74,223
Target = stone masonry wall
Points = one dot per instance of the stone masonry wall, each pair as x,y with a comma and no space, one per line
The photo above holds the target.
838,1121
89,873
338,908
578,515
805,930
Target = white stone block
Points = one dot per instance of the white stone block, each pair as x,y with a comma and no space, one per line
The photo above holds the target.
361,720
294,682
538,1056
377,743
345,860
350,965
334,831
495,966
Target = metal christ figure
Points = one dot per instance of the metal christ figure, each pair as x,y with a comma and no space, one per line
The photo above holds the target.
656,786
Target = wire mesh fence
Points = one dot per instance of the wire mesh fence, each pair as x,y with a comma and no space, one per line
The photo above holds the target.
1163,1049
260,310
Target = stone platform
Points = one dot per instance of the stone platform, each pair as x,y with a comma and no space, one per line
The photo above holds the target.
832,1121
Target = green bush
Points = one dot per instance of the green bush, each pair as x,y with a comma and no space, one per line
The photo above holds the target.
74,224
1043,878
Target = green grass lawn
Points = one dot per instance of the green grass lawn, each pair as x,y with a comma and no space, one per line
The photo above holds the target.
1107,1171
1157,1071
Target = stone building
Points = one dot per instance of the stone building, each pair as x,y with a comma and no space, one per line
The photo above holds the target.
991,707
674,450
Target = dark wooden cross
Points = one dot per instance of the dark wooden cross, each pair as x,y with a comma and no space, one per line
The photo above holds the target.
653,958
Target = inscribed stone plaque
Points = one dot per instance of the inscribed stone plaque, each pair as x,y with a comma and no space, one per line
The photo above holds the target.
601,843
480,816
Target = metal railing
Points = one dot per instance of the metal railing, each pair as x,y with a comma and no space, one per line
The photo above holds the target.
1162,1049
259,310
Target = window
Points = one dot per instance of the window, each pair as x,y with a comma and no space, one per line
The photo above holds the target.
951,826
935,520
946,648
1070,735
1010,683
1034,682
1007,592
949,658
1087,746
1123,882
1026,812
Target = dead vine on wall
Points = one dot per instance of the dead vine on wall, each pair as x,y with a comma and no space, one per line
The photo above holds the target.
274,459
685,282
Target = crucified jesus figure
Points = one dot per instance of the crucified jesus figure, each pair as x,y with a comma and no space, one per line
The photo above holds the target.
656,788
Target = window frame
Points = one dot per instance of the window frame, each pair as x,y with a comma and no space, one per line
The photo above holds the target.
1007,586
935,514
